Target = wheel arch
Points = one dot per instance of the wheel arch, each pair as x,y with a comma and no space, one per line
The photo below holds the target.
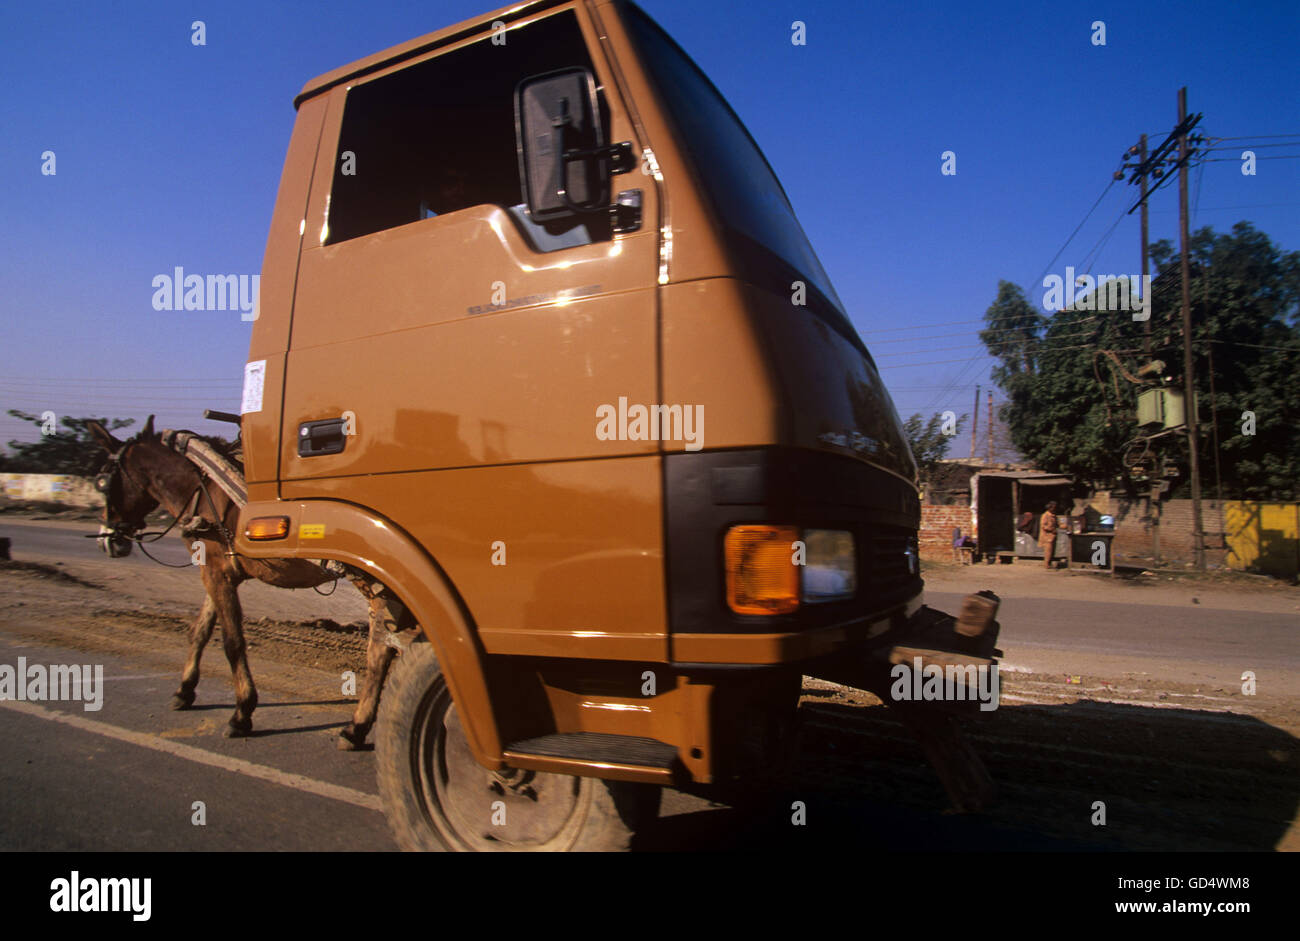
379,547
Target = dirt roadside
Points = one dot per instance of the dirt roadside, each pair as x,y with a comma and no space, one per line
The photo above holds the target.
1028,578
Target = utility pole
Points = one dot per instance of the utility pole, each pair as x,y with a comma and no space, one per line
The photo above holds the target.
1146,325
1153,501
975,422
1157,164
990,431
1189,388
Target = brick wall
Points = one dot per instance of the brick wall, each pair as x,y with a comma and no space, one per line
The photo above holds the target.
1133,529
937,524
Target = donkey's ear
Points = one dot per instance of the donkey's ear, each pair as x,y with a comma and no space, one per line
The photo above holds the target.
103,437
147,431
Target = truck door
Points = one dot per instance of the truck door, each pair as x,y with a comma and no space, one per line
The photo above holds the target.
448,352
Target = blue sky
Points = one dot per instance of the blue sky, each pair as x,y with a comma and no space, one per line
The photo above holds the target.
170,154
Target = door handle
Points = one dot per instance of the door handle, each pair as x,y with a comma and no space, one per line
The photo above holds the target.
321,437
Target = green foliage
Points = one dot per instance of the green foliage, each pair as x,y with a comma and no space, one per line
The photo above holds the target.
929,441
1071,408
1012,336
70,451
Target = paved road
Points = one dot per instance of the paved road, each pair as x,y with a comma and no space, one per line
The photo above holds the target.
1235,639
127,777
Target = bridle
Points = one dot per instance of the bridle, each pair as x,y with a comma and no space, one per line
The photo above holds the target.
131,532
128,531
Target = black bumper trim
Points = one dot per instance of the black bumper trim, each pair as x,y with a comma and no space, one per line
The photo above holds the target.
707,492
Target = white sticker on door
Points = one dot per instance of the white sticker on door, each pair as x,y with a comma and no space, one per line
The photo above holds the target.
254,379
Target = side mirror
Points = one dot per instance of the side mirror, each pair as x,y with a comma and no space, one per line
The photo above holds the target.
564,158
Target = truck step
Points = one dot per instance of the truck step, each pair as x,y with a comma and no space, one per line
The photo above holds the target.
599,746
639,759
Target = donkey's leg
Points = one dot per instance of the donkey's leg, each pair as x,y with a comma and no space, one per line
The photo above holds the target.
379,655
200,632
223,586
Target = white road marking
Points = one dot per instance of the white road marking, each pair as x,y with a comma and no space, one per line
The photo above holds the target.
138,676
201,756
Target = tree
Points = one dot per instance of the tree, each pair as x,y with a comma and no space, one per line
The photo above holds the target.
1071,398
71,451
929,440
1012,335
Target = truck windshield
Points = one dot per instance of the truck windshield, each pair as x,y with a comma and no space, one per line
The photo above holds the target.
735,175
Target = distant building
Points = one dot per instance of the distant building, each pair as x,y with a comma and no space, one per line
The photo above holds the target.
985,501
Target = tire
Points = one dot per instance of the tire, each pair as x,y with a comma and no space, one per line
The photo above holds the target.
438,798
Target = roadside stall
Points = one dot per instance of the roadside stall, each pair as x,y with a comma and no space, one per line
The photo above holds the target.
999,499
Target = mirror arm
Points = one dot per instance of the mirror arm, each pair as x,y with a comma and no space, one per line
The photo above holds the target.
621,161
619,154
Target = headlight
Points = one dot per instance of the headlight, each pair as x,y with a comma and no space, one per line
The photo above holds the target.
772,569
830,572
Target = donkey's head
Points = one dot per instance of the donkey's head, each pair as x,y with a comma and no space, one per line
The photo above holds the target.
124,482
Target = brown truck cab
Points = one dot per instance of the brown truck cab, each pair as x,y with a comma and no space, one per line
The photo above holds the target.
543,348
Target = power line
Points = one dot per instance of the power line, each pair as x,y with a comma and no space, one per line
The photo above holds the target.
958,380
1093,255
967,359
1256,137
937,349
1228,208
994,331
937,362
1087,216
1253,146
1196,198
935,326
85,379
1256,346
1238,159
1044,342
925,326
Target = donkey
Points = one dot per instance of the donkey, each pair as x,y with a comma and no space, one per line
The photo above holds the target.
143,474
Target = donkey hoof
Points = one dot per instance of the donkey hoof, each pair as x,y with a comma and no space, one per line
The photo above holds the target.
238,728
182,701
349,740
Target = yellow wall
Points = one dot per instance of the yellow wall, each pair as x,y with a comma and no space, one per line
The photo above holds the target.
1263,537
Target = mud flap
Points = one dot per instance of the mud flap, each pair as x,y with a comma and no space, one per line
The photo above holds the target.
932,638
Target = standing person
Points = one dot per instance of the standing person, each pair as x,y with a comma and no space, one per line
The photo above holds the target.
1047,527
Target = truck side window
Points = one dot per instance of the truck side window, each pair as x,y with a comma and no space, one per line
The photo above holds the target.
439,136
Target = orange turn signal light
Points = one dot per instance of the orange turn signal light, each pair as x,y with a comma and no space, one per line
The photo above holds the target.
267,527
762,577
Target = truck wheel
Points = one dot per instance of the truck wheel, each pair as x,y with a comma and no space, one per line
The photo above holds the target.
437,797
